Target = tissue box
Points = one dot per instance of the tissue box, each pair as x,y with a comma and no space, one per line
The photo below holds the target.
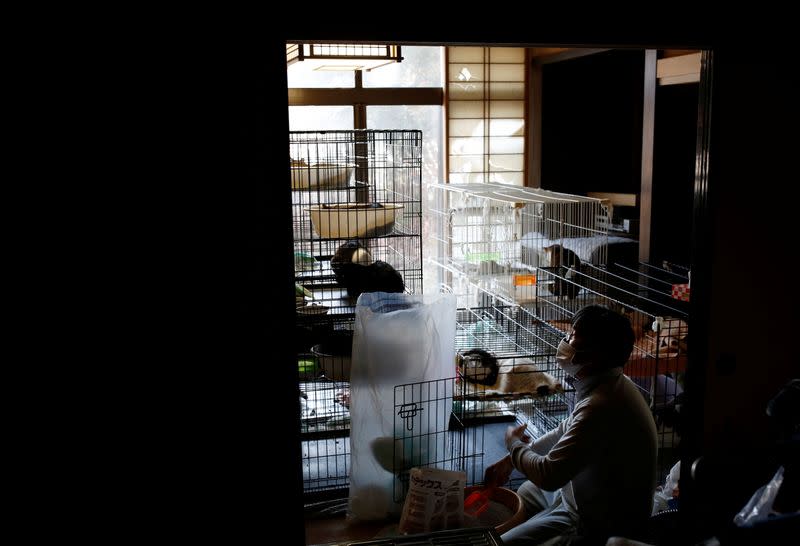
681,291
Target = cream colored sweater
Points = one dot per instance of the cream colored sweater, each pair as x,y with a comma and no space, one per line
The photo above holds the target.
603,455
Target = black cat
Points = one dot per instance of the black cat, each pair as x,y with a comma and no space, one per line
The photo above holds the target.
348,253
376,277
356,270
562,260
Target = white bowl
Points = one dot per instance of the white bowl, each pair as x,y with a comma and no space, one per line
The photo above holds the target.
353,220
321,175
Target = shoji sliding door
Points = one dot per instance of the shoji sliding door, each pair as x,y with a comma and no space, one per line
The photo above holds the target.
486,98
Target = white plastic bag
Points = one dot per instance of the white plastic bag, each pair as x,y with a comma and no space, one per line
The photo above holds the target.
759,507
398,339
663,495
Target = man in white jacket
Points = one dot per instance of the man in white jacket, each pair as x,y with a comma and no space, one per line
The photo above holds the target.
594,475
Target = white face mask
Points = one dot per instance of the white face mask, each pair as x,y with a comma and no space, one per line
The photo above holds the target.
564,356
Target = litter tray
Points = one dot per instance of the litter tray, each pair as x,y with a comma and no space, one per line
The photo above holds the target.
353,220
321,175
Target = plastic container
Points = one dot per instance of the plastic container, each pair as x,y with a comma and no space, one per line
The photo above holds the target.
501,495
353,220
477,502
321,175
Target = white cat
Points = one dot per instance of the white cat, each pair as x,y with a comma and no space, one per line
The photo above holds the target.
515,378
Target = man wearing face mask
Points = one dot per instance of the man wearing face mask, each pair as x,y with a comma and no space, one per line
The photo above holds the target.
594,475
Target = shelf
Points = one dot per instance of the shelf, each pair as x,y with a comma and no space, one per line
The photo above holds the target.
394,234
355,186
510,332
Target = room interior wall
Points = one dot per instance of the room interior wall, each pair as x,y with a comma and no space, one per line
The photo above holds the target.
745,313
592,123
673,173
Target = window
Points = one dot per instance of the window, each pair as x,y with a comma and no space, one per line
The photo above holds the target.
303,75
349,100
429,119
420,67
486,114
326,118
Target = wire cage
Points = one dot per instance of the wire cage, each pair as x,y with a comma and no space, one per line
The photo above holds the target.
493,237
323,348
660,325
522,262
507,254
356,215
424,431
458,441
472,439
513,379
357,226
507,372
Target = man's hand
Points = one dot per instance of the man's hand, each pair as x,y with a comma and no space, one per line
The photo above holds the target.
498,473
514,433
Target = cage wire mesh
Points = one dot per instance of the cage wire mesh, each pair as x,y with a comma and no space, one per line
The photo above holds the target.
524,386
323,354
422,438
358,194
357,226
424,433
511,255
660,326
506,372
492,237
658,360
507,253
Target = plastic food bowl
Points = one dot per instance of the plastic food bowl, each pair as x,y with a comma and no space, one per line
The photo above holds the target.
508,499
321,175
353,220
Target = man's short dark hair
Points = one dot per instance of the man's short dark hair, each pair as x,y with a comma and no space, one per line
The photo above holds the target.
607,332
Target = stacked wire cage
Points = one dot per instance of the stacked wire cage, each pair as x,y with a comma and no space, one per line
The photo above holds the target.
660,324
493,238
503,373
506,353
357,226
511,255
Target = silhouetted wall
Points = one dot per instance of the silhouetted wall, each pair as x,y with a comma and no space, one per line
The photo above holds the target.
592,123
674,142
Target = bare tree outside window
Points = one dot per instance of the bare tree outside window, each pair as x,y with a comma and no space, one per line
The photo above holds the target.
421,67
429,120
